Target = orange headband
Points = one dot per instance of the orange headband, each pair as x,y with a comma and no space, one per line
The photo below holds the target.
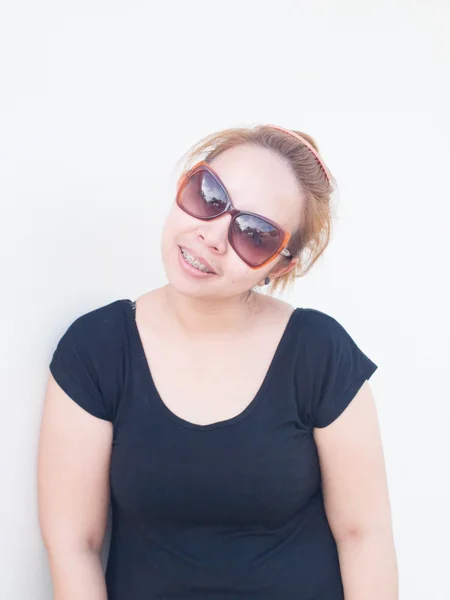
302,139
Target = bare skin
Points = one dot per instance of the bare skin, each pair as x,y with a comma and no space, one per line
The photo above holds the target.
232,363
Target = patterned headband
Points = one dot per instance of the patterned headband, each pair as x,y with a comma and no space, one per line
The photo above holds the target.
302,139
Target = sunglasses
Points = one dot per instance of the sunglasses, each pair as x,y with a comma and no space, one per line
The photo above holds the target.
257,240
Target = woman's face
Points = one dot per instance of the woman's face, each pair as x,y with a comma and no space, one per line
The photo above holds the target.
257,180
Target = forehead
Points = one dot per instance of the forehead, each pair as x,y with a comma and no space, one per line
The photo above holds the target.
260,181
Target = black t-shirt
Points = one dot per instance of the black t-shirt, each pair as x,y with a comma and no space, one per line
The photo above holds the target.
230,510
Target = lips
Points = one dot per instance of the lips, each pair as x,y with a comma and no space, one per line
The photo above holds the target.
198,257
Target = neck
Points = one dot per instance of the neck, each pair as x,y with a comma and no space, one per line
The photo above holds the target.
198,317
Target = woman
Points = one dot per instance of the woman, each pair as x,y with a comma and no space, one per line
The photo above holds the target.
235,435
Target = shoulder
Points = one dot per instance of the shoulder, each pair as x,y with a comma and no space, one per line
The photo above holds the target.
312,319
321,321
97,327
332,362
97,336
324,336
99,320
88,359
320,328
313,327
272,310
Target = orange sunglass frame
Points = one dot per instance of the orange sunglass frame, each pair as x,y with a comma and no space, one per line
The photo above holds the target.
234,212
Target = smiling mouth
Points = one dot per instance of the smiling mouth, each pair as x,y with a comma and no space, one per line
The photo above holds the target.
193,262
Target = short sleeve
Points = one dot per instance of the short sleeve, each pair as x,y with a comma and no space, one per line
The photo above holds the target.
339,368
83,363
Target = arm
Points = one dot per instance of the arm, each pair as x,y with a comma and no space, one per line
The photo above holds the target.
73,490
357,501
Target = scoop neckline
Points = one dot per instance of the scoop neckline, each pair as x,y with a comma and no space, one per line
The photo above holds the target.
287,332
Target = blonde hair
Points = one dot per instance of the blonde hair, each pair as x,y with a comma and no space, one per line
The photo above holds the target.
312,235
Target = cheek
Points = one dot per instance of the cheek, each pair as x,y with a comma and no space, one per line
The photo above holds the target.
169,236
177,224
241,275
172,228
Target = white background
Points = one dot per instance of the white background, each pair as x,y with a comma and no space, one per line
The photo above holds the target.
98,102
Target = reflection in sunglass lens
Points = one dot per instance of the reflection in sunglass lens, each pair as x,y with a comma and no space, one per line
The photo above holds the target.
255,240
203,196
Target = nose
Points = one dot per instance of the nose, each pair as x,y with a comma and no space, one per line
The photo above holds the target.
214,233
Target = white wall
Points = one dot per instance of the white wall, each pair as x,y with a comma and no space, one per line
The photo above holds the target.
98,101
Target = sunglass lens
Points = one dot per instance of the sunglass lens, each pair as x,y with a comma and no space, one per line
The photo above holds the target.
203,196
254,239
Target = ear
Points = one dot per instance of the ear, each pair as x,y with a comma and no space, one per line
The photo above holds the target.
281,270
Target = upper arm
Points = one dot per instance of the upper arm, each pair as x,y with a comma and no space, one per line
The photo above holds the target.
73,472
353,471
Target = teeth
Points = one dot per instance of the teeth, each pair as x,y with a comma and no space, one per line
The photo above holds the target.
195,263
